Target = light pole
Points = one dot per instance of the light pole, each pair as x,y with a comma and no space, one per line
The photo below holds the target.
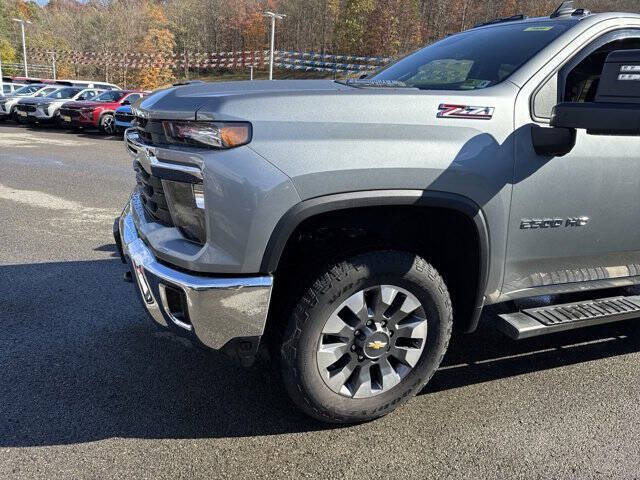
24,44
273,17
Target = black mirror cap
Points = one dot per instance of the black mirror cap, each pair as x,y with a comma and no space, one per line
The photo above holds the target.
553,142
126,102
598,118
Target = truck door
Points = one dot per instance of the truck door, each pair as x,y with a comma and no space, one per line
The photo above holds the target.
574,219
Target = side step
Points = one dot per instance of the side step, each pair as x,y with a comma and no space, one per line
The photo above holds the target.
557,318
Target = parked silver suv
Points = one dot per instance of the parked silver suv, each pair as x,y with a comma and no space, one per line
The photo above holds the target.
46,109
350,226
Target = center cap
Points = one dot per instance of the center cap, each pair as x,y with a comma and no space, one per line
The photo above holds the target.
375,345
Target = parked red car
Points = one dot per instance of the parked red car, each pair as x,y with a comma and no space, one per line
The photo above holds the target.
98,112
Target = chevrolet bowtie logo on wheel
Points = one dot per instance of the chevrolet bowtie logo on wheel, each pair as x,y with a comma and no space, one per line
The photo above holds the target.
377,345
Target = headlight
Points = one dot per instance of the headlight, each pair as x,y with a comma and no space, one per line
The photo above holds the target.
208,134
186,205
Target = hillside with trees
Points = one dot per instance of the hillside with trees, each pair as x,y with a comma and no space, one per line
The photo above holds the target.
358,27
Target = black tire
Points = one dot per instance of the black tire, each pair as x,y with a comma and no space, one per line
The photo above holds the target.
107,125
338,282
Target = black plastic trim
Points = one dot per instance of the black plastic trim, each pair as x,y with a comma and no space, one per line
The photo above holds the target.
376,198
174,175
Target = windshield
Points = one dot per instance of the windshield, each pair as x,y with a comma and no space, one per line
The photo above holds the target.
474,59
45,91
110,96
65,93
27,90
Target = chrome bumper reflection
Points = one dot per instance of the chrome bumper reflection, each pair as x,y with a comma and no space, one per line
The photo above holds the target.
218,309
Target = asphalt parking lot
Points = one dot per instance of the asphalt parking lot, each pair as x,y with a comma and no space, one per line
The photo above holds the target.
91,389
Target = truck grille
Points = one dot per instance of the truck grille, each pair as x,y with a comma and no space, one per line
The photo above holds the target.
151,131
152,196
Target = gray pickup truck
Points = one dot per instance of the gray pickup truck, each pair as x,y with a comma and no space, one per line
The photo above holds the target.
347,228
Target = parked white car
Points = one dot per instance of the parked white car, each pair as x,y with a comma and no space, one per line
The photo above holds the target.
8,104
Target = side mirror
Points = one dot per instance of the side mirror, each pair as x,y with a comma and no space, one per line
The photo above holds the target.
598,118
126,102
553,142
616,110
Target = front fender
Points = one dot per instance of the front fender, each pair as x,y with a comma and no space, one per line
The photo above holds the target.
329,203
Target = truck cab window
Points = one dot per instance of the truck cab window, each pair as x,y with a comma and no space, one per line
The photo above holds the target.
582,82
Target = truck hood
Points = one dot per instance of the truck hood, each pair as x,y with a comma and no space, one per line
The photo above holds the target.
200,100
312,101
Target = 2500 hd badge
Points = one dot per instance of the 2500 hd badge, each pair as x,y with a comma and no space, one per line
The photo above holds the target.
553,222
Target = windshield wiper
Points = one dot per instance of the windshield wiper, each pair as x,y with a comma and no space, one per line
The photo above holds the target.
356,83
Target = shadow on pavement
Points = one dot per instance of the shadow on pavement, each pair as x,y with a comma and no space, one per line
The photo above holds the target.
81,362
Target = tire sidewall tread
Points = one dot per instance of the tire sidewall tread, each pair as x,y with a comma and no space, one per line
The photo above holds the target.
338,282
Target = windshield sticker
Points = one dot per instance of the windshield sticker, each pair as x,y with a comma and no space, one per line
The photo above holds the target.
538,29
473,84
463,111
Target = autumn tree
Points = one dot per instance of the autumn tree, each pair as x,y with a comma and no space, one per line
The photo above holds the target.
158,41
351,25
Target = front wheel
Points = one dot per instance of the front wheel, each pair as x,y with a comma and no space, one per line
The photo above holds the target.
107,124
366,336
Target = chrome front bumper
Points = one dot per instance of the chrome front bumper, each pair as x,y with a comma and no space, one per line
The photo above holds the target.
226,313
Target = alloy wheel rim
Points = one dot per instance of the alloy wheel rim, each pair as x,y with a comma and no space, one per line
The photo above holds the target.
372,341
108,124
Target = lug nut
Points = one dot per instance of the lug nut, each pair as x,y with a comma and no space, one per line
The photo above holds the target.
384,324
357,333
353,348
391,332
370,323
361,358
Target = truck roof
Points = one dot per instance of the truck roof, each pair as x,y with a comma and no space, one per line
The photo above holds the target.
569,20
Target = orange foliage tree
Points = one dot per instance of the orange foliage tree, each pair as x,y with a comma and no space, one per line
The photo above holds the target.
158,41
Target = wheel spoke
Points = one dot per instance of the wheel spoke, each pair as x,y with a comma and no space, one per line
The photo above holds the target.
338,327
355,303
330,353
390,377
361,386
380,299
414,327
337,379
409,305
406,355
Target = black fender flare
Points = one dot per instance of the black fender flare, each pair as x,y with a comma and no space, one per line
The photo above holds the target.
343,201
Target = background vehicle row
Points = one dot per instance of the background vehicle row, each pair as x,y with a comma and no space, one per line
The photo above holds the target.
73,104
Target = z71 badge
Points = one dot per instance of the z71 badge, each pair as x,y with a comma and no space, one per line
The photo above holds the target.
464,111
